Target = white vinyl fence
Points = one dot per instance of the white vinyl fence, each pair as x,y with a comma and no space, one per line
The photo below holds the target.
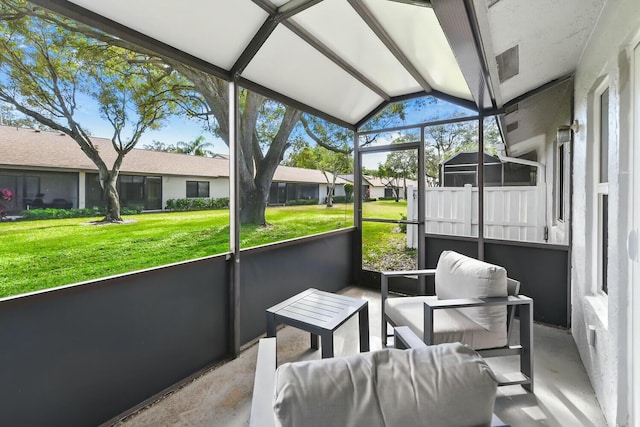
511,213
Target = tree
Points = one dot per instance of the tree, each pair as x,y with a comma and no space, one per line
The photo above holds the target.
348,191
48,70
197,147
265,126
332,153
9,116
445,141
330,163
264,130
161,146
399,165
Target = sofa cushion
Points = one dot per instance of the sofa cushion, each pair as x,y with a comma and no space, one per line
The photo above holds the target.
448,325
458,276
442,385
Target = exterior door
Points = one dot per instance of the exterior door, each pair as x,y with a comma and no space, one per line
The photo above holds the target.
153,193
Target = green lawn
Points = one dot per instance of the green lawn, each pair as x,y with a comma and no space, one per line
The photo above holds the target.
37,255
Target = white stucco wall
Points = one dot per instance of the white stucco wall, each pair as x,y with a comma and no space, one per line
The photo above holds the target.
606,56
175,187
376,192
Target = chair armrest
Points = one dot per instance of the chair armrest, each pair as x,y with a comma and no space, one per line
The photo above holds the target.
477,302
427,272
384,282
405,338
263,385
384,292
431,306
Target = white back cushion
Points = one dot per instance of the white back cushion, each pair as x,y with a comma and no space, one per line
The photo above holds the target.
458,276
441,385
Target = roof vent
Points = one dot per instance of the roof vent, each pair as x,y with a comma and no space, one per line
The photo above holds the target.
508,63
512,126
511,109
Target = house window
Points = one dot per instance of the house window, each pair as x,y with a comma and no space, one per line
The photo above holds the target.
602,183
197,189
562,167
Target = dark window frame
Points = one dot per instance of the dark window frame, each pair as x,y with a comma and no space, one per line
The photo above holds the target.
201,188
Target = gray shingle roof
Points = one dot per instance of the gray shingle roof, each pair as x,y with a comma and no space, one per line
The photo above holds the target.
28,149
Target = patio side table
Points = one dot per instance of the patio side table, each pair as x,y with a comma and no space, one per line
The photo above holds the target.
320,313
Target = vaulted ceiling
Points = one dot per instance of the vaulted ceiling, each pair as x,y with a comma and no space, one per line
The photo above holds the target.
345,59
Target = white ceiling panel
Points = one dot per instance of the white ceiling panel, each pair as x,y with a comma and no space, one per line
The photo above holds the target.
417,32
290,66
339,27
216,31
550,35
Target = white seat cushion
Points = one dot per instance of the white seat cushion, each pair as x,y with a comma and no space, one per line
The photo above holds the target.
449,325
458,276
444,385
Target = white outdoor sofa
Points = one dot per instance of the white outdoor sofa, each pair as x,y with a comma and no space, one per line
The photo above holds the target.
439,386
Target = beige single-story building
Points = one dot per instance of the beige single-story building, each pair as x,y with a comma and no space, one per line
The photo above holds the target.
374,187
48,169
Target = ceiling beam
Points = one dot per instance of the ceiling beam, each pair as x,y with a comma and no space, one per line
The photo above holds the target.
267,6
333,57
276,96
368,17
458,21
293,7
275,17
92,19
436,94
250,51
423,3
287,10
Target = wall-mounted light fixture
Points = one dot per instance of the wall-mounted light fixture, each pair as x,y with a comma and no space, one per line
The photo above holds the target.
564,132
575,126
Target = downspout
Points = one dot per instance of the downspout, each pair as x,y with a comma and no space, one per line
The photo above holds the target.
542,179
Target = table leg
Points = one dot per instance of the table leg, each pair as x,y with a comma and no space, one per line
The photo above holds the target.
526,341
327,345
363,320
314,341
271,325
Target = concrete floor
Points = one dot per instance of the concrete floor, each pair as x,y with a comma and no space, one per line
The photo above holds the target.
222,397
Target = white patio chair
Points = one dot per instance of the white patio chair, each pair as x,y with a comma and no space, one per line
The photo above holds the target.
474,304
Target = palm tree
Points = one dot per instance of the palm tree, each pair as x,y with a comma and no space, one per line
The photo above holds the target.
197,147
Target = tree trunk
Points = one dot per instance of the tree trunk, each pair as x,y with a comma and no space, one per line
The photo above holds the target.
111,197
252,207
330,197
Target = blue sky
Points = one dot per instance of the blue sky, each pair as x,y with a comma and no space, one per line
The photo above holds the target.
179,128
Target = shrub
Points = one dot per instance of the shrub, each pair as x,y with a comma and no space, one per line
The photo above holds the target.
403,227
371,199
300,202
348,190
51,213
129,211
342,199
197,204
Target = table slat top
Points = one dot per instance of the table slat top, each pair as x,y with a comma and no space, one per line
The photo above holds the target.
318,308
